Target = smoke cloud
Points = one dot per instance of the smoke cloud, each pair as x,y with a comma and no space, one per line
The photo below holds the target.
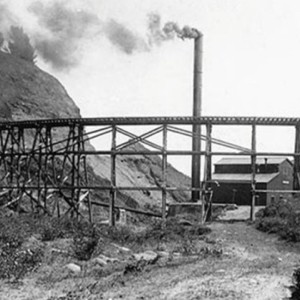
7,19
58,31
123,38
66,30
156,34
159,33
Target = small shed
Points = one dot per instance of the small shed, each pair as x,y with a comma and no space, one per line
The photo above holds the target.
232,179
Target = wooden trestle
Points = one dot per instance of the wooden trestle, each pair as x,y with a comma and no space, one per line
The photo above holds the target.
35,164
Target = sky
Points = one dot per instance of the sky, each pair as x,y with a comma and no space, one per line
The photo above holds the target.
112,64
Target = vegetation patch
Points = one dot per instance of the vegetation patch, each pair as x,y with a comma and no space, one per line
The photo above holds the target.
282,218
295,288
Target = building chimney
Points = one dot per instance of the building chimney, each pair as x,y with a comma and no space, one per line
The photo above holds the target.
197,107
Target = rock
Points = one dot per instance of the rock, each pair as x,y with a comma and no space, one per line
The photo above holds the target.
104,222
164,257
253,281
148,256
33,244
108,259
73,267
177,254
185,222
231,207
163,254
124,249
100,261
113,259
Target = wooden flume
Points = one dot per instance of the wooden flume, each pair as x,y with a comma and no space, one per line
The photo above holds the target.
36,165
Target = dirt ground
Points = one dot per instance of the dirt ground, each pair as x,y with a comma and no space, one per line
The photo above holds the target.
234,261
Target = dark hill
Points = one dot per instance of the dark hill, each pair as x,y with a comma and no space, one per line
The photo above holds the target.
27,92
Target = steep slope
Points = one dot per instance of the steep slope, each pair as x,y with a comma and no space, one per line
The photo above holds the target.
26,92
144,170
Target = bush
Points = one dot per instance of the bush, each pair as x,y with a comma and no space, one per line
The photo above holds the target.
295,288
271,224
14,260
53,228
85,239
280,218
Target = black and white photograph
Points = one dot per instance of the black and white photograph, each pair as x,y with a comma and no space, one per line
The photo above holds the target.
149,149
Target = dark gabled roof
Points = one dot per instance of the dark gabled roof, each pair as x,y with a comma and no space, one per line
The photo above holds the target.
246,160
243,178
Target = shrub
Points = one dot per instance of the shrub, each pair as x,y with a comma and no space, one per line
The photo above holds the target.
280,218
295,288
53,228
16,261
271,224
85,240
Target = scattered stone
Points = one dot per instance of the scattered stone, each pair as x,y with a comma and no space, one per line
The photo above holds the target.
163,254
148,256
185,222
73,267
113,260
124,249
54,250
100,261
253,281
104,222
108,259
231,207
33,244
164,257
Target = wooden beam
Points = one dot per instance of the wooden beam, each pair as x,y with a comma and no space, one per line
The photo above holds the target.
253,169
113,177
208,173
164,174
296,173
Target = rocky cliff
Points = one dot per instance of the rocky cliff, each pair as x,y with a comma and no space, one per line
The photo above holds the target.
27,92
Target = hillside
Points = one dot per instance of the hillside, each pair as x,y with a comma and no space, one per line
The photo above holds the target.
27,92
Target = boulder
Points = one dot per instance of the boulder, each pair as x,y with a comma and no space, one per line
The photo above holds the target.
73,267
148,256
100,261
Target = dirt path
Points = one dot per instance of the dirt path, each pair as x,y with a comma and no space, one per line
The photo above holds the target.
252,265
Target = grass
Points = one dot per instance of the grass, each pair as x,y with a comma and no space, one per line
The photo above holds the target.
87,239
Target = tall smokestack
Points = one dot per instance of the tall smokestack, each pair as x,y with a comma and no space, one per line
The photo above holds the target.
197,106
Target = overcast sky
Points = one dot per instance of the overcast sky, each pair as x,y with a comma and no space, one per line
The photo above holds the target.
251,58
